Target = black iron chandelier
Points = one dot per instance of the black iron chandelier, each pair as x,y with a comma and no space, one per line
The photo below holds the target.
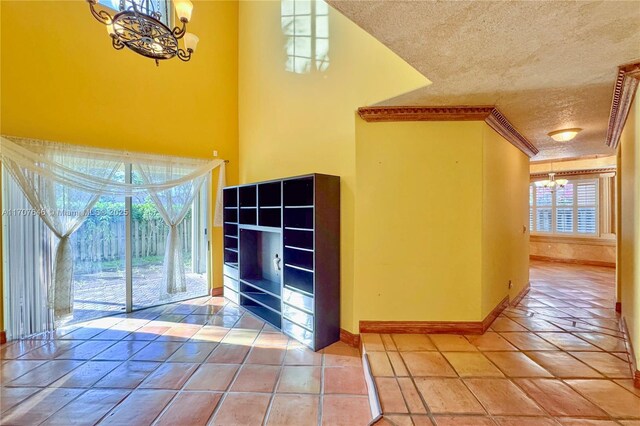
138,26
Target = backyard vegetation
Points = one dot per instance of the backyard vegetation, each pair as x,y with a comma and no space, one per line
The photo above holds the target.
100,241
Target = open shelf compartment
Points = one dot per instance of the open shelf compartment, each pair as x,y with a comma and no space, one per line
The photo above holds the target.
260,281
273,318
230,198
256,294
248,196
298,191
248,216
298,217
298,279
270,194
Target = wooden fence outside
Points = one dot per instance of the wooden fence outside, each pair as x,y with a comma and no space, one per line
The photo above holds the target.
98,242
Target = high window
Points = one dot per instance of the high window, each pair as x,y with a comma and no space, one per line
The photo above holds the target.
571,210
305,23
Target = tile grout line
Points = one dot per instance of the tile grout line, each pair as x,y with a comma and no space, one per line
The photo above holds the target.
272,396
227,390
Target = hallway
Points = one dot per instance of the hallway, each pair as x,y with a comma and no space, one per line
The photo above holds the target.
558,357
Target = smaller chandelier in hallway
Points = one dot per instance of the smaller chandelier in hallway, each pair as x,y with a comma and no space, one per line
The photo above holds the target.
552,183
138,26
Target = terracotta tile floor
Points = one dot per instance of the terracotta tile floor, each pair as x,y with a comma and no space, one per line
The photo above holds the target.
203,361
558,358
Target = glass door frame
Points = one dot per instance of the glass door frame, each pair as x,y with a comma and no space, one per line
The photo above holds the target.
128,250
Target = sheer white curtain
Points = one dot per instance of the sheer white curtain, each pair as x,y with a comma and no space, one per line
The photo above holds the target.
173,205
62,183
28,267
62,207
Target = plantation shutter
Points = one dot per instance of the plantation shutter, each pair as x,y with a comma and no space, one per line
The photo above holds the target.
544,213
564,209
587,207
531,191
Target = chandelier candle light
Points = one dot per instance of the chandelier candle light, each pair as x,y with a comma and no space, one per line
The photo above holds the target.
138,26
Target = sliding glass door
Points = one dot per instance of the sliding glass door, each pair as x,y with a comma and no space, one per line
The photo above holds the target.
118,257
149,234
99,264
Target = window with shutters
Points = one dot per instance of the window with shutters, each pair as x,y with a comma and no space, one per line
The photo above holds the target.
572,210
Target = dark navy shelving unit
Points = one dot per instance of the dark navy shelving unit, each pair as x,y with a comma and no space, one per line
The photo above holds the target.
297,219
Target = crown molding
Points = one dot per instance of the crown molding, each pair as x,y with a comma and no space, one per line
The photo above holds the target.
623,93
599,171
487,113
424,113
500,124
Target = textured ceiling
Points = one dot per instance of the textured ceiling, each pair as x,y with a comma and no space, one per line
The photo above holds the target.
546,65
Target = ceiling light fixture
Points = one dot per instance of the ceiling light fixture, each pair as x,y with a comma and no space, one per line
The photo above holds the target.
552,183
564,135
138,26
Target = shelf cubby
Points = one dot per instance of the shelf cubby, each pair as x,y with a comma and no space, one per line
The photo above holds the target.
248,216
301,239
266,299
299,333
299,258
230,257
269,217
298,279
272,287
230,242
230,198
231,284
248,196
296,298
230,269
270,194
298,192
231,215
230,229
272,317
297,316
298,217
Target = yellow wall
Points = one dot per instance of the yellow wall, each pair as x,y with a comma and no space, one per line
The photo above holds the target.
629,232
293,124
418,221
439,217
62,81
505,211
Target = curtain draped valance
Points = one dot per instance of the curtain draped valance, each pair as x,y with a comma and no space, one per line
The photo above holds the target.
63,182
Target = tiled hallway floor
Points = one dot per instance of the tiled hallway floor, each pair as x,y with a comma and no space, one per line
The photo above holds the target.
558,358
202,361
